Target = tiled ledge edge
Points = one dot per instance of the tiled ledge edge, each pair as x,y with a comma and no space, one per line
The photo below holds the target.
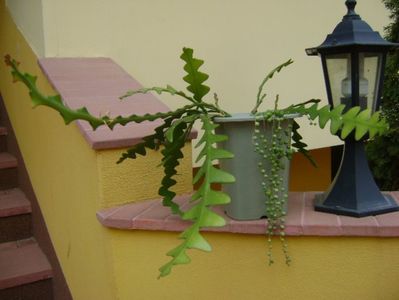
97,83
301,219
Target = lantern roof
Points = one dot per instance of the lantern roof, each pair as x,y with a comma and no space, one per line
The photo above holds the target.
352,31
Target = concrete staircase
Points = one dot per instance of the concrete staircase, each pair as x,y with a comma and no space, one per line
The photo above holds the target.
25,272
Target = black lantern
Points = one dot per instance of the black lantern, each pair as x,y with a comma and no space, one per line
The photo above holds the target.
353,59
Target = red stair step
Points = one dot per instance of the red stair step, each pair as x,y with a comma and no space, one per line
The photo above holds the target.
15,215
3,130
14,202
3,138
7,161
8,171
22,262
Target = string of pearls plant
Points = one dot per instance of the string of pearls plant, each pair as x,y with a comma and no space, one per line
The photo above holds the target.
274,149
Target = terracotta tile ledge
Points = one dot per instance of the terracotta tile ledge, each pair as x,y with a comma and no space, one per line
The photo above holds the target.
301,220
97,83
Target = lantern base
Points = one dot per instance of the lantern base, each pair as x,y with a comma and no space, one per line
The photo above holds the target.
388,204
354,191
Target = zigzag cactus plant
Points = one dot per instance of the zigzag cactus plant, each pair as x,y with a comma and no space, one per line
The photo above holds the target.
177,124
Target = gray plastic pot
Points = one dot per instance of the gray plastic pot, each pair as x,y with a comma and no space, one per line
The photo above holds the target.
248,201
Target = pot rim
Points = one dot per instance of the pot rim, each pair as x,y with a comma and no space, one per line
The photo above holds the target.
246,117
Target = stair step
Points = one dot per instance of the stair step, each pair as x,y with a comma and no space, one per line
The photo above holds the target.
3,138
22,262
8,171
15,216
3,130
14,202
7,161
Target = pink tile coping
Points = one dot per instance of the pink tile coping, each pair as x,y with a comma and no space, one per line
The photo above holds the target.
97,83
301,219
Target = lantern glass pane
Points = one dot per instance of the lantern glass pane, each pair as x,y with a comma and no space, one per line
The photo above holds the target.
339,76
369,76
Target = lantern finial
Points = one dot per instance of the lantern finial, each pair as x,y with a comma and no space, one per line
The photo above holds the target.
351,4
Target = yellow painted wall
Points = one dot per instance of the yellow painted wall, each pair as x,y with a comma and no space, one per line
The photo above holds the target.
239,40
57,167
72,181
139,177
325,268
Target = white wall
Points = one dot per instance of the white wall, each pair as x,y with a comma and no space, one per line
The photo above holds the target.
239,41
27,15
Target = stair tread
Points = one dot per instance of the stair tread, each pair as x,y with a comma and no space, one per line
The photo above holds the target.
3,130
7,160
22,262
14,202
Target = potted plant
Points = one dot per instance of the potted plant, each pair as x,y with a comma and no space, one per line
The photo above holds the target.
248,133
274,148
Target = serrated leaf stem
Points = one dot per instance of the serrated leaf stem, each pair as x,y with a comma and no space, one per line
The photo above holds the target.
52,101
195,227
159,90
201,203
260,96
